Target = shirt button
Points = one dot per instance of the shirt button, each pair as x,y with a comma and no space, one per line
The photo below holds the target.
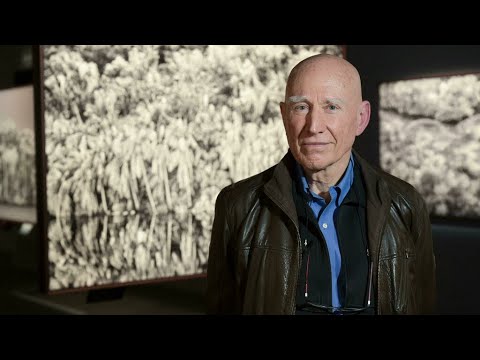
325,225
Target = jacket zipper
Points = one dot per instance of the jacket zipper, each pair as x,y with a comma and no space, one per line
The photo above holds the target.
299,246
379,234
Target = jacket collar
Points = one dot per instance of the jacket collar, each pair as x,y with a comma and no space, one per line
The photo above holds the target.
375,187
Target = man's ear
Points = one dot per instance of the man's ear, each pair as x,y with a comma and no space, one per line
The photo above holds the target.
283,109
363,117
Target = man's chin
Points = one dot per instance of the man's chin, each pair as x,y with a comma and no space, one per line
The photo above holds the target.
312,162
314,165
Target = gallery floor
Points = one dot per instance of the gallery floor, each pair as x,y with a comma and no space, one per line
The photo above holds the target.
184,297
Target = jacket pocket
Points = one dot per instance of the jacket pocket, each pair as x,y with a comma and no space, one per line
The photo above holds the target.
407,290
400,273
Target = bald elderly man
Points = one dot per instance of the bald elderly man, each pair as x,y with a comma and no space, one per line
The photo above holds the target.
322,232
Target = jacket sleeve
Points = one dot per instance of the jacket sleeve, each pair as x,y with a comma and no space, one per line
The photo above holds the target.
220,294
425,261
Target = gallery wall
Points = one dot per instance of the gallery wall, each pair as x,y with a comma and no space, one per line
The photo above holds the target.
16,65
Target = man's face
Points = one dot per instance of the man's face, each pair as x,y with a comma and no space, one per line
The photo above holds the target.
321,115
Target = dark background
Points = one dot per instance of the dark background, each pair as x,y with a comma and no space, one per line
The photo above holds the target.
456,244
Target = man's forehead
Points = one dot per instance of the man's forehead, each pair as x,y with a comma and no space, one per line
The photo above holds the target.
302,98
296,98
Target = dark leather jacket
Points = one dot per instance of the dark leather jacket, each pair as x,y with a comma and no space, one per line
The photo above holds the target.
255,251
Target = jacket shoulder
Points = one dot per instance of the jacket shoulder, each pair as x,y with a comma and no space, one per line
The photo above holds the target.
401,190
246,188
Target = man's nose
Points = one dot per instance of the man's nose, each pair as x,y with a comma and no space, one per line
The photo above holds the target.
316,121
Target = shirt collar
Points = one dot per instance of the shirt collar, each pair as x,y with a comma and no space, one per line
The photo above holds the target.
342,187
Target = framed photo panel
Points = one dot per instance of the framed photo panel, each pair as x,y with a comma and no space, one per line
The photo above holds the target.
430,137
137,141
17,155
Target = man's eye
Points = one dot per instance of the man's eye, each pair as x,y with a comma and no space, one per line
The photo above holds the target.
331,107
300,107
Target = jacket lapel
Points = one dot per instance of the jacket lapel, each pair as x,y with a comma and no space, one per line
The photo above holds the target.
279,187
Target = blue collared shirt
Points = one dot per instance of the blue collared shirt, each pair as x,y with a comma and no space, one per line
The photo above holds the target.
324,213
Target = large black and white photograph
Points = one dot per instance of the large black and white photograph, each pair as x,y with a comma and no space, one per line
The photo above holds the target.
430,137
17,155
139,141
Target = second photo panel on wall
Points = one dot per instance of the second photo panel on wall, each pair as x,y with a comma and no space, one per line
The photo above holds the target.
17,155
430,137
